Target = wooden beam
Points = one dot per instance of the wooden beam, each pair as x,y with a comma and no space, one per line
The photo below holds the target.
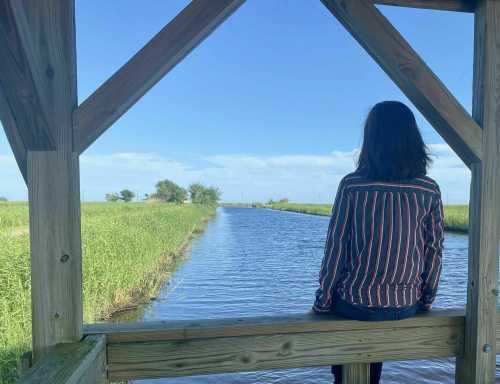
479,360
441,5
174,42
21,111
181,348
11,130
83,362
357,373
396,57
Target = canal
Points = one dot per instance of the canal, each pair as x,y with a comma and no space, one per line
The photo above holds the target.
253,262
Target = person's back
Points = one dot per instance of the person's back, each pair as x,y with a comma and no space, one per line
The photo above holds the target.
393,255
384,243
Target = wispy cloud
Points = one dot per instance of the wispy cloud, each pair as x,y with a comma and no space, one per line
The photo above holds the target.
308,178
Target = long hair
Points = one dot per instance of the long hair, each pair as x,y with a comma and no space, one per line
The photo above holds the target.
393,148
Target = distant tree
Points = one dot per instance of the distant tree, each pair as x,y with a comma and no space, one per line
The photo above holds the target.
200,194
2,198
270,202
112,196
196,191
283,200
212,195
126,195
168,191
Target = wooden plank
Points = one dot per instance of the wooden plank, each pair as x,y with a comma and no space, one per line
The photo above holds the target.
265,325
155,359
403,65
479,360
174,42
179,348
83,362
56,268
356,373
442,5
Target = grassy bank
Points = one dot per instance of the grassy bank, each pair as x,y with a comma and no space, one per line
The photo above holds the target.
128,252
456,216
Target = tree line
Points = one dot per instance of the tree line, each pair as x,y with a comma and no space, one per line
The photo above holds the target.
169,192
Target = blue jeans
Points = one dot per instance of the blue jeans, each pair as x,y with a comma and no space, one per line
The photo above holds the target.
350,311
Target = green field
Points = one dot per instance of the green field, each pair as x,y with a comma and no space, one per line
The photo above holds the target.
128,252
456,217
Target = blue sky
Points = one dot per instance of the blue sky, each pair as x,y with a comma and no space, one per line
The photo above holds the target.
270,105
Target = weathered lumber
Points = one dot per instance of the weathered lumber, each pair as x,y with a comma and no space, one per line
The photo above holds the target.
83,362
478,363
45,101
12,132
56,267
442,5
356,373
403,65
21,111
174,42
180,348
250,326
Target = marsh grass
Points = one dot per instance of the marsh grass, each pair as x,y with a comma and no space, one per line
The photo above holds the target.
456,217
128,252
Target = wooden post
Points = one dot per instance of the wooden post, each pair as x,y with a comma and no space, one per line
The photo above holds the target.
56,271
356,373
38,89
478,362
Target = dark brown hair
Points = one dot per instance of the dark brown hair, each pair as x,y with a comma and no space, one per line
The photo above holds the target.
393,148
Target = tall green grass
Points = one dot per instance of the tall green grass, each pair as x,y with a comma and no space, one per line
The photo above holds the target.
128,252
456,217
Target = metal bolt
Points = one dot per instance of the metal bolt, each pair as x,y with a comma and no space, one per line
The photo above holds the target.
64,258
495,292
57,316
487,348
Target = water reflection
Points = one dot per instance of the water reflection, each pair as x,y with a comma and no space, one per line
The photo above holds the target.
253,262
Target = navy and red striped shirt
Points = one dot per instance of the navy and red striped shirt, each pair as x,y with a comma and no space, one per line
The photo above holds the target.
384,244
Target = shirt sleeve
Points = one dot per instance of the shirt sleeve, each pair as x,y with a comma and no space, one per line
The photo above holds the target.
433,251
335,250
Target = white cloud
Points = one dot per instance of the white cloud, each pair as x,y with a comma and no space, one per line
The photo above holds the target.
307,178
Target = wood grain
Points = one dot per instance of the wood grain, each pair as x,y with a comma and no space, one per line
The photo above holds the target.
55,242
157,359
21,111
179,348
264,325
187,347
47,35
442,5
479,360
356,373
83,362
174,42
403,65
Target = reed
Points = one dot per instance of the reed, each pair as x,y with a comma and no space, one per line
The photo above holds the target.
456,217
128,252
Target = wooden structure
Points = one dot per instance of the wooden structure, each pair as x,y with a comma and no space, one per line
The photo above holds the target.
48,130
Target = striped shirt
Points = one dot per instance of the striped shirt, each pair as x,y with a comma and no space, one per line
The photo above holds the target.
384,244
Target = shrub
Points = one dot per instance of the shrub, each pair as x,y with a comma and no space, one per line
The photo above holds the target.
169,192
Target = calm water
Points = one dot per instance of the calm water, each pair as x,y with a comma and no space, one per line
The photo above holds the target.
253,262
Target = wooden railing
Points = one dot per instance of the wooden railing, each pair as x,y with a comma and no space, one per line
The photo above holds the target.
183,348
